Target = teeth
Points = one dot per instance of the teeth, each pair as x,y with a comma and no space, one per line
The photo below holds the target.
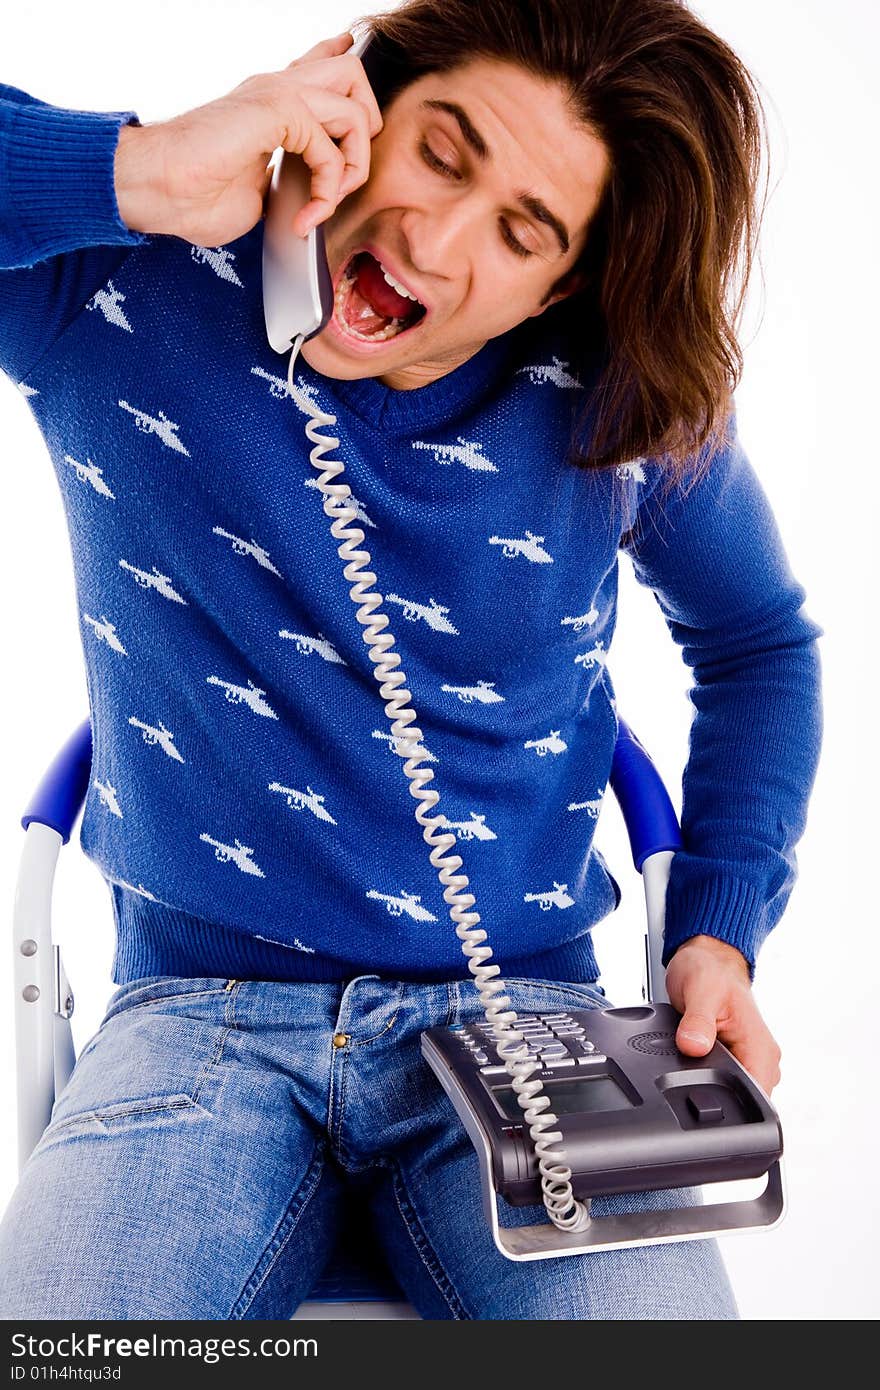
389,331
396,285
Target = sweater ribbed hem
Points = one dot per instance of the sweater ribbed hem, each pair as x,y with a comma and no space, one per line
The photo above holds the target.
60,167
730,909
155,939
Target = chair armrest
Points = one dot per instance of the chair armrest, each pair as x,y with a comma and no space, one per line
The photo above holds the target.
59,798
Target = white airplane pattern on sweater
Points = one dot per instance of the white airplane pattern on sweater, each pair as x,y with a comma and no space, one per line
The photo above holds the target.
159,425
108,301
89,472
466,451
107,793
483,691
105,631
473,829
633,469
219,259
350,501
597,656
298,801
304,395
552,743
398,746
433,614
236,853
531,547
319,644
585,620
249,694
241,547
591,807
558,898
555,373
295,943
153,735
140,889
160,582
410,903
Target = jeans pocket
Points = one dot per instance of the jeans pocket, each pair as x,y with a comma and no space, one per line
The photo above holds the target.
155,1060
150,988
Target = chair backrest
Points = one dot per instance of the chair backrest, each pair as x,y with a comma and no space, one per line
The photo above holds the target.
45,1054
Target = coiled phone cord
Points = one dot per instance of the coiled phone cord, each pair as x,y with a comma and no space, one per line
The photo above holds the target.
563,1208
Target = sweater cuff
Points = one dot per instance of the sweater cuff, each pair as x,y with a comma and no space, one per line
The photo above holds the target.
729,909
61,180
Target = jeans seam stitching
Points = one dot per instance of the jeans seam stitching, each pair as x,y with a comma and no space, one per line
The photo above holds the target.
550,985
192,1099
230,1007
101,1114
161,998
336,1098
374,1037
423,1248
292,1215
210,1065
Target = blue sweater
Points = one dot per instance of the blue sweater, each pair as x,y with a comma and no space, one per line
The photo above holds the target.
247,808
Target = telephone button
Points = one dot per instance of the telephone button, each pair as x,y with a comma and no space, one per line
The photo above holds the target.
705,1107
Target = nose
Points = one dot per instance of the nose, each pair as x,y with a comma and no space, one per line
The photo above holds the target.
442,236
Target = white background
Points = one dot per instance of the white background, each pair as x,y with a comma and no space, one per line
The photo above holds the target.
806,409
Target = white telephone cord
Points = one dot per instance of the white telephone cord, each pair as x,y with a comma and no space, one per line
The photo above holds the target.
563,1208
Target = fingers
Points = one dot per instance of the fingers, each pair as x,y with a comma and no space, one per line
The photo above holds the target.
754,1047
332,134
327,164
327,48
708,982
341,72
330,115
346,122
741,1029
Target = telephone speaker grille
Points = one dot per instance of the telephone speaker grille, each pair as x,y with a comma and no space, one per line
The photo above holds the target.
658,1044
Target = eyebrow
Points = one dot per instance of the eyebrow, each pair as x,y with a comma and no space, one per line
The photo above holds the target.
475,141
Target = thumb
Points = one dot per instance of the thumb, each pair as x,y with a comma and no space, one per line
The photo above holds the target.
696,1033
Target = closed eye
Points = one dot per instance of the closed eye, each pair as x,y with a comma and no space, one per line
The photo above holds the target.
446,171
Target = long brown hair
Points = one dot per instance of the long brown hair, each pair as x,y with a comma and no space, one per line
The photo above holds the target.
681,120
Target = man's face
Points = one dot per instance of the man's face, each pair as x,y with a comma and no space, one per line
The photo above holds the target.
463,242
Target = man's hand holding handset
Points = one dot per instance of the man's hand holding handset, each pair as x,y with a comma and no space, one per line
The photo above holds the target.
204,175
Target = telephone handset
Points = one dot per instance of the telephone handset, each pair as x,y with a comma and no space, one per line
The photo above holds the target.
633,1112
297,289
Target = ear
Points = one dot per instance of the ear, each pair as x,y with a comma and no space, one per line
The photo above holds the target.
569,284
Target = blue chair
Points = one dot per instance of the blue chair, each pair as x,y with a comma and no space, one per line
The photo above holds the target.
356,1283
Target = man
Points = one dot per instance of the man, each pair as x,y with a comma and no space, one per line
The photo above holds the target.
276,971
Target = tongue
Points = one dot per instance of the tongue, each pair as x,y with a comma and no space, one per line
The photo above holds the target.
376,290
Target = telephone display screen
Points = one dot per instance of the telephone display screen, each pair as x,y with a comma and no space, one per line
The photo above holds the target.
573,1096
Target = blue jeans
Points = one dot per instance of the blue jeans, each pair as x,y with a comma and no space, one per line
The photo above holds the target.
194,1164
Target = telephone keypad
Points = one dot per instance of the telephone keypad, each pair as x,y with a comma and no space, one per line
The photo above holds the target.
552,1040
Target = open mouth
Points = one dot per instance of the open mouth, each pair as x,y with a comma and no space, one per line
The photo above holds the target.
369,307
